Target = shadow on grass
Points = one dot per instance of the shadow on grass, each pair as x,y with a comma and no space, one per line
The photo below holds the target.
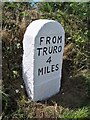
74,92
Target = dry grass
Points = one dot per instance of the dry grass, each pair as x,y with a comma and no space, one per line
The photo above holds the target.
74,89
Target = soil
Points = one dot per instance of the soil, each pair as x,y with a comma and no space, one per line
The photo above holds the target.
73,92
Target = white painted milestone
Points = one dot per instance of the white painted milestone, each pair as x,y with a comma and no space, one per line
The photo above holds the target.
43,46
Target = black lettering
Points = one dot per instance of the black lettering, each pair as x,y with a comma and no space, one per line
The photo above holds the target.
45,50
40,71
41,40
48,71
54,39
55,49
50,50
59,39
45,70
59,48
52,68
57,67
39,49
48,40
49,60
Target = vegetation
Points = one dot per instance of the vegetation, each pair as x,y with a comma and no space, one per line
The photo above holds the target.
73,101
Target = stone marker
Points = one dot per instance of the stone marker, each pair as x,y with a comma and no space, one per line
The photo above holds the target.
43,46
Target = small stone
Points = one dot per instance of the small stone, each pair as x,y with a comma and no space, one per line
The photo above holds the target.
17,91
22,86
62,93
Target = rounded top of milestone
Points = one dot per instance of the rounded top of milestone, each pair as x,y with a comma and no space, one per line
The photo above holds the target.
44,26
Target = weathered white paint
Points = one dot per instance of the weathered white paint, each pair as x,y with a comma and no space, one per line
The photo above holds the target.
43,46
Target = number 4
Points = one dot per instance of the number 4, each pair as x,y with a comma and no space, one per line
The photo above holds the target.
49,60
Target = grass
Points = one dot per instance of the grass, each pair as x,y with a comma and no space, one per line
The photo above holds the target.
78,113
73,100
